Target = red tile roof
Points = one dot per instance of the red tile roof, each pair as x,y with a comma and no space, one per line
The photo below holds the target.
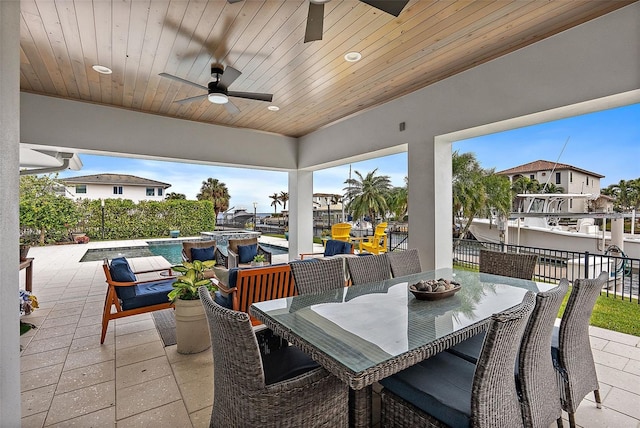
543,165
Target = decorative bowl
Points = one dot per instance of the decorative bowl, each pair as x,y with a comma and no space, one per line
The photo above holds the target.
434,295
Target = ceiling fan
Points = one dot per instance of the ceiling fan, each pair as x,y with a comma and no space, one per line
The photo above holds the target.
217,90
315,16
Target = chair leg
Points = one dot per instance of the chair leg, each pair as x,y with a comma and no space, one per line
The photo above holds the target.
596,395
572,420
559,422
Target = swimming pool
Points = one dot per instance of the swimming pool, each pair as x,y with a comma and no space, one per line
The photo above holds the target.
170,250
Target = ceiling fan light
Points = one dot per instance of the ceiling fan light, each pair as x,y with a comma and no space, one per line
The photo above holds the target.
319,1
218,98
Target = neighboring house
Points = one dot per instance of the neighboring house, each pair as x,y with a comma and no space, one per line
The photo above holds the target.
115,186
570,178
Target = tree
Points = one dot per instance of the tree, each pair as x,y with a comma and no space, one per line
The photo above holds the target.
215,191
284,198
367,195
172,196
476,191
626,194
43,210
275,202
399,200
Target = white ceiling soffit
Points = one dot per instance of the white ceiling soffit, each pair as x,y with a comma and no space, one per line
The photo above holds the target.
44,161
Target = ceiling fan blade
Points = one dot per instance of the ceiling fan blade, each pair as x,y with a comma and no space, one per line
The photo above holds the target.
251,96
179,79
190,99
392,7
229,75
231,108
315,21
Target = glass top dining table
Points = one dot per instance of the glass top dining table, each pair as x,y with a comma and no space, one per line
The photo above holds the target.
364,333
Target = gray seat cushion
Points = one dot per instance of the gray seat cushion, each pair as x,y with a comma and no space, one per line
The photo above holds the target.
469,349
440,386
286,363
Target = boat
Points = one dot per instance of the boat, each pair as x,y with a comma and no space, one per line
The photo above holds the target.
542,221
237,216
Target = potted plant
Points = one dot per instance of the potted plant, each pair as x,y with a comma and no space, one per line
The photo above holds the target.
192,331
258,260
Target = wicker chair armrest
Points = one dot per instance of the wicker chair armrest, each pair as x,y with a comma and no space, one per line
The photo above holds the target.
221,259
265,253
232,260
290,388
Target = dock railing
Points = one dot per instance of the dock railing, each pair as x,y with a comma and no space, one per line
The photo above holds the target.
556,264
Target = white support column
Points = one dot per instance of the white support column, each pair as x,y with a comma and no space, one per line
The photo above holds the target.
300,213
9,223
430,204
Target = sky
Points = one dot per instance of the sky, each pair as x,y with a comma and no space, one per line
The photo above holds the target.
606,142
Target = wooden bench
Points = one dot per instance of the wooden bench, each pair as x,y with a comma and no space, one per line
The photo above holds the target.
259,284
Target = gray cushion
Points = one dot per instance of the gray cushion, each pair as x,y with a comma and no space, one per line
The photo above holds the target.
469,349
286,363
440,386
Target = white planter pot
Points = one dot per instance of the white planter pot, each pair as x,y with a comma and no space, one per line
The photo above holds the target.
192,330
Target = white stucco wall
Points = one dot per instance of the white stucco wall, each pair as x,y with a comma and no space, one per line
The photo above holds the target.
105,191
9,224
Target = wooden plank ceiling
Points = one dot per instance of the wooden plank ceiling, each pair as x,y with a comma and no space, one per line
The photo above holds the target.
311,82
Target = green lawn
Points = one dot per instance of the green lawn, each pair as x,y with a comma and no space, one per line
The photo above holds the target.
614,314
611,313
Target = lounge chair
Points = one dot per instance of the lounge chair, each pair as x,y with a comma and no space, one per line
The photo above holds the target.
131,296
240,252
377,243
341,232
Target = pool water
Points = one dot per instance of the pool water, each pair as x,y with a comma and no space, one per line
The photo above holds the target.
172,251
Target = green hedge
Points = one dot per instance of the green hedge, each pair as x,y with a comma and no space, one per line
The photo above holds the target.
124,219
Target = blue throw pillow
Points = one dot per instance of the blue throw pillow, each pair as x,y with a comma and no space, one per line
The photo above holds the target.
202,254
247,252
121,272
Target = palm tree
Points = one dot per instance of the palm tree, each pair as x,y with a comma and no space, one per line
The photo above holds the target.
284,198
399,200
175,196
367,195
275,202
215,191
476,191
626,193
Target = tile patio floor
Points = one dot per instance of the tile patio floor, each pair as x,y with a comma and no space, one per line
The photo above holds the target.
69,379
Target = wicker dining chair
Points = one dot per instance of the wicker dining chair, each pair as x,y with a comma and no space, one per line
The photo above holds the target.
364,269
404,262
571,349
445,390
536,377
283,388
513,265
316,275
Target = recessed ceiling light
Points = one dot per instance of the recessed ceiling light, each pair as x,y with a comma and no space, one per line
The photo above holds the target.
353,56
273,108
102,69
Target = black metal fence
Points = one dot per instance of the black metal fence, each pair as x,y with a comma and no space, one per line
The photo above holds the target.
556,264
